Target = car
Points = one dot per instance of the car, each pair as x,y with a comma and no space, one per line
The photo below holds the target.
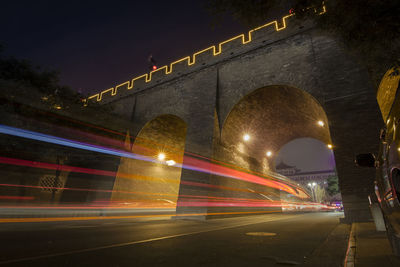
387,161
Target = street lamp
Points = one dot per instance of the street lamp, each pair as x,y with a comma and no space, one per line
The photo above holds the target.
269,153
321,123
312,186
246,137
161,156
329,146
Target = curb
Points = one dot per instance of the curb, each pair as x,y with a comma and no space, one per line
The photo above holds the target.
349,260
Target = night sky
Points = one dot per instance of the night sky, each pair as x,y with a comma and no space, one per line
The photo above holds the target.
307,154
96,44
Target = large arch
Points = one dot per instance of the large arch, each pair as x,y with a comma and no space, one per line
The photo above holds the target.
272,116
153,182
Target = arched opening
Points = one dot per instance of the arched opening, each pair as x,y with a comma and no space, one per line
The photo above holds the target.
261,123
153,182
268,118
311,164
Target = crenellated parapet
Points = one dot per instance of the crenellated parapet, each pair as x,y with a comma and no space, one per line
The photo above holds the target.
210,55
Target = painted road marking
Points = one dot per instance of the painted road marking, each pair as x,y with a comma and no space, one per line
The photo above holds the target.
137,242
261,234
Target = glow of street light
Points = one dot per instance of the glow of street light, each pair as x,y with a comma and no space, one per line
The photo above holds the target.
170,162
246,137
312,184
321,123
161,156
269,153
329,146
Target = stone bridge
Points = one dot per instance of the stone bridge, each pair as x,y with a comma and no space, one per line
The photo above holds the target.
273,83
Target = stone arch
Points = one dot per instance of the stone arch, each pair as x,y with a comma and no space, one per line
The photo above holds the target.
271,116
164,133
153,182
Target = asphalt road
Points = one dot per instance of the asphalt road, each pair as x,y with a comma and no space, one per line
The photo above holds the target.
310,239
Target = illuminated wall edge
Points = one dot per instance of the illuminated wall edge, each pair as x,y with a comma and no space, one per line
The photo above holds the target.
190,61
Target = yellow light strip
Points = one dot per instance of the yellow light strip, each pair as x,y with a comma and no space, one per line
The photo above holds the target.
191,61
323,9
59,219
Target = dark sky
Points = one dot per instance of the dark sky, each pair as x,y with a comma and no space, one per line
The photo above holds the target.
96,44
307,154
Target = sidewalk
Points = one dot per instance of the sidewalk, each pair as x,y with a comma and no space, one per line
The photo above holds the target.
372,247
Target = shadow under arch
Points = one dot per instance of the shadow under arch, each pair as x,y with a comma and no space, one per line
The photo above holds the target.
153,183
271,116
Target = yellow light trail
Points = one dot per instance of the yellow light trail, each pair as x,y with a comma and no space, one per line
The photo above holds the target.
192,60
59,219
216,50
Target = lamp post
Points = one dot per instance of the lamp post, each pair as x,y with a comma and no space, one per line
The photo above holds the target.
312,186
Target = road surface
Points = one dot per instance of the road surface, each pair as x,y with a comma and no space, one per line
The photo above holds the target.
309,239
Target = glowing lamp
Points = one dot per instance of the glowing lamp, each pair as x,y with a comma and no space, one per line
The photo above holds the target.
154,67
269,154
161,156
329,146
170,162
321,123
246,137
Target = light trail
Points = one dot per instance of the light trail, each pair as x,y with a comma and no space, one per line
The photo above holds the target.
86,218
143,148
69,143
147,148
184,200
58,219
121,191
189,162
190,200
43,165
16,198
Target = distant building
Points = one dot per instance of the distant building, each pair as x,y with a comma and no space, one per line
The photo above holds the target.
286,170
303,178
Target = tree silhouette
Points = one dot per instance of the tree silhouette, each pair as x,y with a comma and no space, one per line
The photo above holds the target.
25,79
